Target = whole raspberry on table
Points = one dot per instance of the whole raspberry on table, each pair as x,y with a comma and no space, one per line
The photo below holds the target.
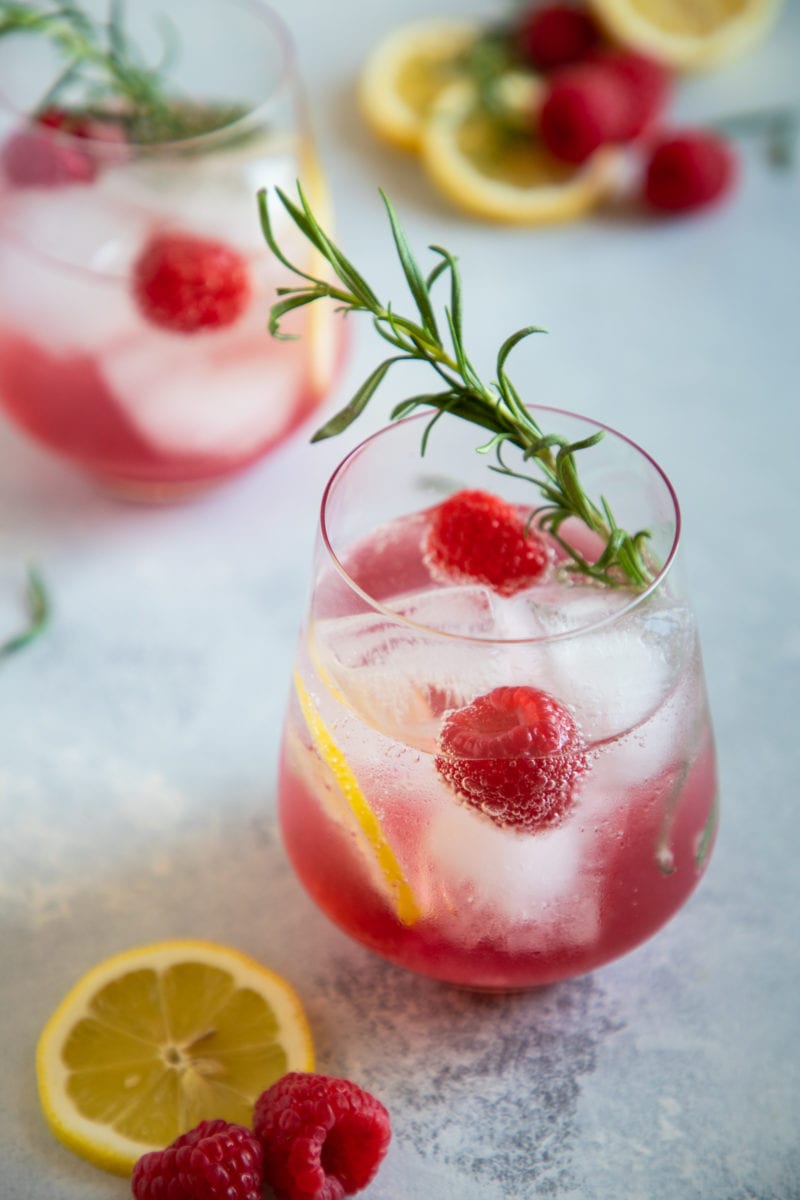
477,537
688,170
583,108
516,755
646,86
214,1161
186,283
323,1138
555,35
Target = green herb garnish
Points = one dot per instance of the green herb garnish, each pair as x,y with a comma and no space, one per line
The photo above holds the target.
495,407
104,67
39,614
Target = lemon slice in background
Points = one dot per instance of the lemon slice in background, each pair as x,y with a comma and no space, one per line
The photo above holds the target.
503,174
691,36
405,73
357,808
156,1039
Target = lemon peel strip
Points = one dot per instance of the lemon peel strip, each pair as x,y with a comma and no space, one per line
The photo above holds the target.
406,907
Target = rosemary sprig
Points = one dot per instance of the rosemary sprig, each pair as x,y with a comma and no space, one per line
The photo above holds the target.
496,407
38,603
101,61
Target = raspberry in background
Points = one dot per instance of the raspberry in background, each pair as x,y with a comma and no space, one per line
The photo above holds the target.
186,283
214,1161
514,754
555,35
584,108
688,170
323,1138
477,537
646,85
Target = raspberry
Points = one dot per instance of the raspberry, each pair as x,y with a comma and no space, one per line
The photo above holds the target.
323,1138
556,35
688,170
516,755
186,283
32,159
584,108
214,1161
476,536
647,85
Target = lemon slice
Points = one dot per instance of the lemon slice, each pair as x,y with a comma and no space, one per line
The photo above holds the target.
483,168
689,36
405,73
156,1039
322,338
356,805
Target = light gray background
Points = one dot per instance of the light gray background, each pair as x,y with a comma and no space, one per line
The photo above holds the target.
138,739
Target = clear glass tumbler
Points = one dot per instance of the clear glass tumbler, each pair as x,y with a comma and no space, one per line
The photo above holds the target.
134,279
411,811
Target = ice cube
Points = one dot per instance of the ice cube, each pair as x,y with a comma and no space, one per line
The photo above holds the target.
212,195
528,887
466,610
399,678
225,395
610,680
50,269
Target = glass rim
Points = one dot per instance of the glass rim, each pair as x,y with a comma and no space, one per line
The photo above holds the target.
175,146
637,599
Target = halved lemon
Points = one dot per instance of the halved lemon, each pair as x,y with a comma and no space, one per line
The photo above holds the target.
405,73
499,172
357,810
156,1039
687,34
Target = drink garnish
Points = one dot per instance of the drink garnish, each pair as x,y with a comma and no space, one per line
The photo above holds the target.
475,536
102,63
496,407
357,808
514,754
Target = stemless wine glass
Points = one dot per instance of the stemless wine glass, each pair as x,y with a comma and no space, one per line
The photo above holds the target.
383,814
134,279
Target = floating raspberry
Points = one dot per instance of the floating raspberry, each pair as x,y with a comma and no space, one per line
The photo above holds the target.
646,84
584,108
186,283
323,1138
214,1161
555,35
34,159
688,170
475,536
516,755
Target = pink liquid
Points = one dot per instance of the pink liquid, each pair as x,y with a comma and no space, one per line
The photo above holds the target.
497,909
65,404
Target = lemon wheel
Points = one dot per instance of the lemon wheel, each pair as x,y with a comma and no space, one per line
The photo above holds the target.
405,73
688,36
503,174
156,1039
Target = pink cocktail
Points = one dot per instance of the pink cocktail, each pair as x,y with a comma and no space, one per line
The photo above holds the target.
134,279
411,810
